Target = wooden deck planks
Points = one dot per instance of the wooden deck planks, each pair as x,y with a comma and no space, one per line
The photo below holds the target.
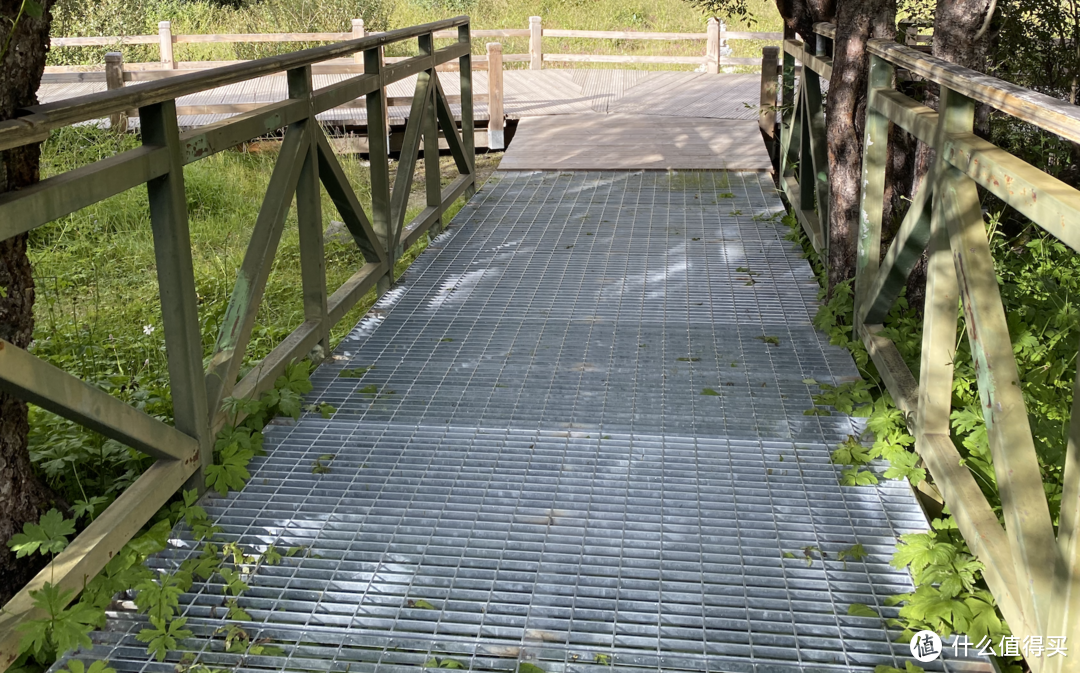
627,142
528,93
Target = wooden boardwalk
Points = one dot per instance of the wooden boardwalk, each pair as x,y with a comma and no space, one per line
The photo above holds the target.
528,93
621,141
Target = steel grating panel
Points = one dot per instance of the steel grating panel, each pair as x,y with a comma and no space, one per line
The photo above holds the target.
527,469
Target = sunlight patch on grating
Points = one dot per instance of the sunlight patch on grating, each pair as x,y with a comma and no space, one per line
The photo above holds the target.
529,470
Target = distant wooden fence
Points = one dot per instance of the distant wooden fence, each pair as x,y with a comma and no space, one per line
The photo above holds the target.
1033,574
715,38
115,73
183,450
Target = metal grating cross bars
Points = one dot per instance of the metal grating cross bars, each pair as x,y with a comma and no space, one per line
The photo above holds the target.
572,438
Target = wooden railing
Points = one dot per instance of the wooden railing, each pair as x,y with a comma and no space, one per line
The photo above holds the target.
715,38
183,450
1033,573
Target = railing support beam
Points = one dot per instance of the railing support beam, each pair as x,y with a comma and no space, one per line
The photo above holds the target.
176,280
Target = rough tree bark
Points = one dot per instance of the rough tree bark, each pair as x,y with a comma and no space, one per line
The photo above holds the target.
801,15
22,495
962,36
845,114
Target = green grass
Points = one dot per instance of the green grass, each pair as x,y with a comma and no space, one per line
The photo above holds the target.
117,17
98,313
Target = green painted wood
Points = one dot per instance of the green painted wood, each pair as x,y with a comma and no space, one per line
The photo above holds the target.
432,173
60,195
348,205
940,319
330,97
807,197
1047,201
93,548
872,194
1065,612
454,142
410,147
904,252
815,123
912,116
352,290
427,217
468,135
261,378
207,140
788,102
239,319
309,218
40,383
791,138
176,283
40,120
379,159
1027,515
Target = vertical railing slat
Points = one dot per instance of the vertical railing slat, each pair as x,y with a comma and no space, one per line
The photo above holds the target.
379,156
430,130
310,220
872,194
176,280
468,130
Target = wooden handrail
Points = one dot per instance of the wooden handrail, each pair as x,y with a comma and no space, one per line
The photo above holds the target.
1052,114
184,450
39,120
1033,574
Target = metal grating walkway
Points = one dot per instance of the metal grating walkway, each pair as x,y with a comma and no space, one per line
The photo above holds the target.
528,471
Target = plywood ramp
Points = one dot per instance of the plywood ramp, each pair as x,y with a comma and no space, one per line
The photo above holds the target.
635,141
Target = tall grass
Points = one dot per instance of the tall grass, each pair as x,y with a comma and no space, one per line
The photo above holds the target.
98,313
121,17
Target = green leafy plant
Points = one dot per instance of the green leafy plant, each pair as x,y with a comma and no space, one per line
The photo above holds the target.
62,630
855,552
860,610
77,666
855,476
48,536
443,662
163,636
321,465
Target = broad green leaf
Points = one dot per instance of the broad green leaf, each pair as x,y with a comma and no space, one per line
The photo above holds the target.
33,8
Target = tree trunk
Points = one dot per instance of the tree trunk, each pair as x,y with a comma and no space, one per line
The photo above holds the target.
961,36
845,115
801,15
22,494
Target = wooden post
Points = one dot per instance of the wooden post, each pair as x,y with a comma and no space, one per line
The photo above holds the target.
385,103
379,158
496,122
770,57
430,129
309,221
787,103
468,128
358,32
536,51
166,43
872,193
176,280
114,79
712,46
